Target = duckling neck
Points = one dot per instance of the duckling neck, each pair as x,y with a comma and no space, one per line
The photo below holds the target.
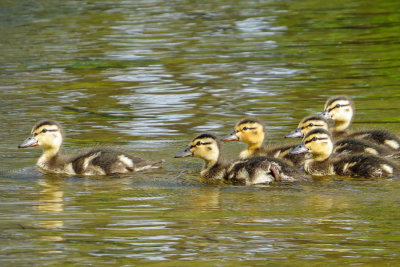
341,126
210,164
214,170
252,148
49,156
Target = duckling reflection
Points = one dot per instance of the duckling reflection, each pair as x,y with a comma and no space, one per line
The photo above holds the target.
341,110
51,200
48,135
206,200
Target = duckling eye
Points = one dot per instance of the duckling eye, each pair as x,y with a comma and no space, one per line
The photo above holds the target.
337,106
311,125
314,138
44,130
245,128
198,143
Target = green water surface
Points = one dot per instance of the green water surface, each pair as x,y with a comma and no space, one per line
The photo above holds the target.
146,76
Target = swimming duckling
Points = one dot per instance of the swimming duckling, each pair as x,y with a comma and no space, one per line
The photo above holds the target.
341,110
100,161
307,124
256,170
345,145
318,142
252,132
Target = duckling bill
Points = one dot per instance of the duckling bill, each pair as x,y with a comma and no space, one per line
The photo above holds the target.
255,170
101,161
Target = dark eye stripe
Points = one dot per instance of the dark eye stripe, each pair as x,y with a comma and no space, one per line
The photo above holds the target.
199,144
312,125
45,131
248,128
315,139
338,106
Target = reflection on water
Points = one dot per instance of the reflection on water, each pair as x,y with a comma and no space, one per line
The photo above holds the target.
50,197
148,76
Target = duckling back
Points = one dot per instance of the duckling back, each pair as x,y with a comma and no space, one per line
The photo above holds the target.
109,161
359,146
263,170
381,137
368,166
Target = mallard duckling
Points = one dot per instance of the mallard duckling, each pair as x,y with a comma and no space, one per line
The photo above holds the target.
48,135
341,110
256,170
308,124
319,143
252,132
343,146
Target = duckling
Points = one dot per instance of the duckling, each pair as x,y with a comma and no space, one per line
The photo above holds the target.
48,135
318,142
256,170
307,124
343,146
341,110
252,132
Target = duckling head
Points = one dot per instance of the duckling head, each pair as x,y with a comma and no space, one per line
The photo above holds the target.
341,110
317,142
45,134
204,146
248,130
308,124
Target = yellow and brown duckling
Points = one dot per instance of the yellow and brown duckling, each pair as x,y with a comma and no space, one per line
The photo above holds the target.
308,124
341,110
256,170
252,132
345,145
100,161
318,143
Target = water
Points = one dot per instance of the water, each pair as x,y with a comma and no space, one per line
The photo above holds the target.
147,77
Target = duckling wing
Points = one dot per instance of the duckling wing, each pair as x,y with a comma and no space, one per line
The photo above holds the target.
288,173
368,166
254,170
107,161
381,137
358,146
264,170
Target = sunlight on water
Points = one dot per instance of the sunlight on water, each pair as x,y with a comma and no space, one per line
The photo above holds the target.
147,77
